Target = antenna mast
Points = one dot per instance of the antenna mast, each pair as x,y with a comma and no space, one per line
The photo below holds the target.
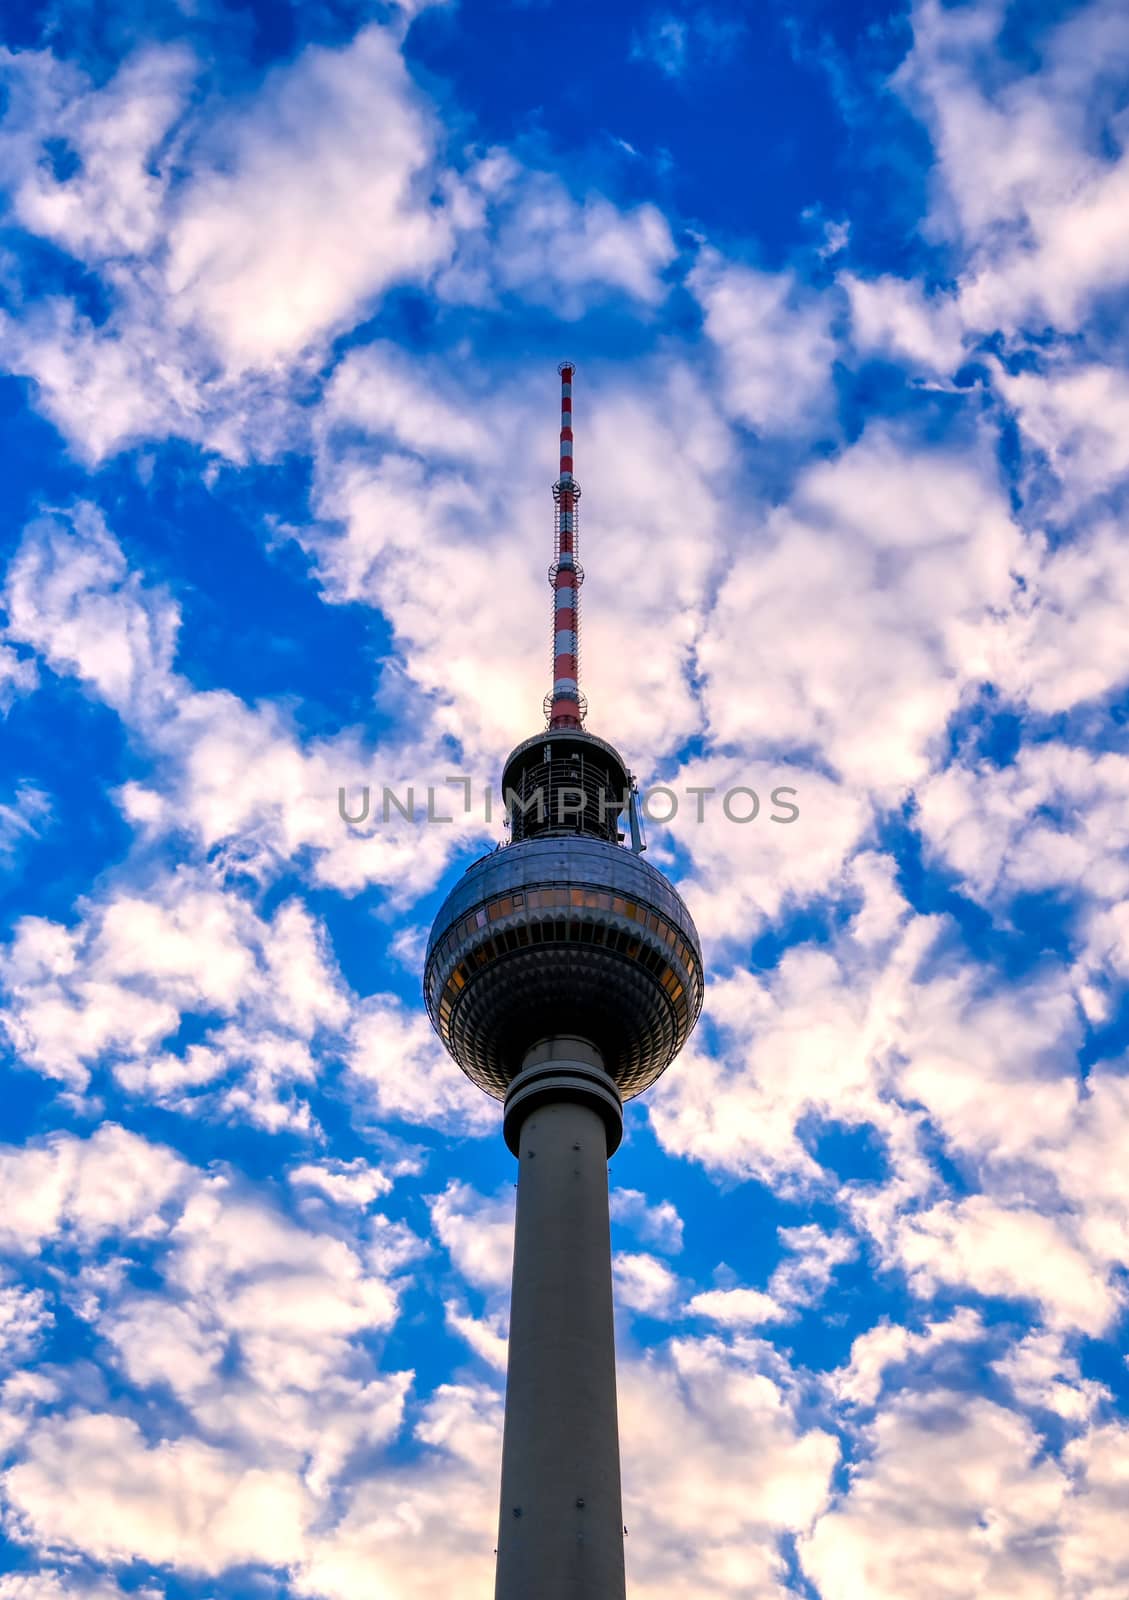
565,706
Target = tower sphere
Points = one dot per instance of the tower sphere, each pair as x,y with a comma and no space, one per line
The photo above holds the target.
563,930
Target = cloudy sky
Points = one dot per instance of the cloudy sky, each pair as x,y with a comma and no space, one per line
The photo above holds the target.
282,294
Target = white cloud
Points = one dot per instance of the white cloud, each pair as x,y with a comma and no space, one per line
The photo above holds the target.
1064,645
896,316
799,1280
237,778
996,1067
349,1183
566,252
399,1069
252,1322
1095,1554
103,386
1015,1252
105,204
17,676
25,817
379,389
1051,818
23,1397
291,1293
657,1224
775,345
699,1506
805,1273
1084,1163
241,779
865,610
893,1345
645,1284
1042,1374
478,1233
486,1336
112,1182
523,233
298,207
116,986
48,1585
391,1245
315,206
993,1510
657,449
1041,220
446,1504
887,1037
71,596
811,1037
24,1316
1078,418
90,1482
743,873
291,1302
836,236
884,907
984,1508
407,530
737,1308
135,377
702,1508
236,237
159,1342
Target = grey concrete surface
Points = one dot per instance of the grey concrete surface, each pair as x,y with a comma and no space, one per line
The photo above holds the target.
560,1531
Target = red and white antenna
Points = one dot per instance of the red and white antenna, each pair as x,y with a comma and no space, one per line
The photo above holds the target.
565,706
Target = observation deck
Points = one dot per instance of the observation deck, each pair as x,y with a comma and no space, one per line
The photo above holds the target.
563,933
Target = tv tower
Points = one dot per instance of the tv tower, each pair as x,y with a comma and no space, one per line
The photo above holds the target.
564,974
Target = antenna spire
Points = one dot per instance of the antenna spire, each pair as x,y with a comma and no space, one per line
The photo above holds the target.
565,706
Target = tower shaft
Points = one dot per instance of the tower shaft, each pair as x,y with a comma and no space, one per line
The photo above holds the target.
560,1534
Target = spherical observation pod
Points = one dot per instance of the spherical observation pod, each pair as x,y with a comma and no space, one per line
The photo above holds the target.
563,935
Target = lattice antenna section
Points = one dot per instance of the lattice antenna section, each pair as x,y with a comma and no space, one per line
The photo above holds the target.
565,706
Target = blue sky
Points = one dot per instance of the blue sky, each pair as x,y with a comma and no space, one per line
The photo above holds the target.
282,295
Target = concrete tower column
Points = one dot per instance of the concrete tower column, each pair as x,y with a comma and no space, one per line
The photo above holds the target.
560,1534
